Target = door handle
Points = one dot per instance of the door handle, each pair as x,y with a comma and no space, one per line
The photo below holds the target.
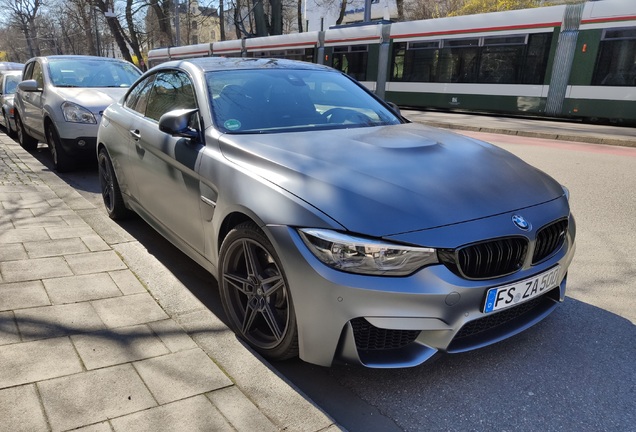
135,134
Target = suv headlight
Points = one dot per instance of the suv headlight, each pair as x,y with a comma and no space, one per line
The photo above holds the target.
366,256
74,113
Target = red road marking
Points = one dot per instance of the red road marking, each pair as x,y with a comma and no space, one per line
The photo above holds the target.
544,142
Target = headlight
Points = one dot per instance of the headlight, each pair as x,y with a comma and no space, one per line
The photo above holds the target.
566,191
365,256
77,114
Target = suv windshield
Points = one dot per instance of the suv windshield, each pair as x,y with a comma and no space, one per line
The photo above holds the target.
92,73
275,100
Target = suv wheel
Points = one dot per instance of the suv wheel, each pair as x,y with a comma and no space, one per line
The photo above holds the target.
26,141
61,160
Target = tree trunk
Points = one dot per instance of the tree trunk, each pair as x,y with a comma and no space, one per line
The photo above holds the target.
343,8
259,18
221,20
300,16
277,17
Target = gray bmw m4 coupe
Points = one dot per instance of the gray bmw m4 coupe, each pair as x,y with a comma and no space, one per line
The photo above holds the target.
337,230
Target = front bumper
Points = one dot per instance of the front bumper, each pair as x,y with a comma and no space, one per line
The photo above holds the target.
409,319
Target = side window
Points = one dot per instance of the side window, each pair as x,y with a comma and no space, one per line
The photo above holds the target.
28,71
137,99
38,75
172,90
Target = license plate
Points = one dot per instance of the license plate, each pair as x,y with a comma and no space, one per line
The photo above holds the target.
511,295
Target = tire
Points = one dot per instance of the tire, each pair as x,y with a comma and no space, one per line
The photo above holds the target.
10,132
255,294
111,194
62,162
26,141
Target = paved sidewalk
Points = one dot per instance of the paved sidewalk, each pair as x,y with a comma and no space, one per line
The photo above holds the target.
92,338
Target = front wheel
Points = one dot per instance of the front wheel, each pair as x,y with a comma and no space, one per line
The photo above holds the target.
111,194
255,294
61,160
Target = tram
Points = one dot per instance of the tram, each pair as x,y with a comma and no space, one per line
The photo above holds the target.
574,61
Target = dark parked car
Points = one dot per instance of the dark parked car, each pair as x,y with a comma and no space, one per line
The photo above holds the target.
336,229
61,101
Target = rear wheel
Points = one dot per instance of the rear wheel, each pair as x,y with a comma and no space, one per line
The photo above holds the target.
255,294
26,141
61,160
10,131
111,194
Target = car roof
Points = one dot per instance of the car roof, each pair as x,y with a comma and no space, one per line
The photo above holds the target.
207,64
7,66
77,57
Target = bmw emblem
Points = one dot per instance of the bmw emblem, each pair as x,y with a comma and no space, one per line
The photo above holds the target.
520,222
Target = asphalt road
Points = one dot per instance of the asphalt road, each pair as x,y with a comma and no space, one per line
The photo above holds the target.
572,372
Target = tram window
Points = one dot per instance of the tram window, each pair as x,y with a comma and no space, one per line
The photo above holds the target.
505,40
616,62
457,43
423,45
536,58
501,64
458,65
351,60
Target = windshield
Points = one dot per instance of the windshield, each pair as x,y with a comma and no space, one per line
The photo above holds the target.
11,83
92,73
275,100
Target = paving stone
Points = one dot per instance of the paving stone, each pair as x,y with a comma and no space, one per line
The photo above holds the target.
21,235
129,310
16,213
95,262
93,397
68,232
74,220
12,252
29,362
20,410
95,243
8,329
181,375
34,269
23,203
22,295
74,289
55,321
52,211
196,414
98,427
39,221
240,411
116,346
172,335
127,282
51,248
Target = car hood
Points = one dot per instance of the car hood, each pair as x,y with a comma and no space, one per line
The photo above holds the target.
95,99
388,180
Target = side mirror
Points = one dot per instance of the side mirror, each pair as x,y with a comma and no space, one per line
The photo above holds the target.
394,107
29,86
177,123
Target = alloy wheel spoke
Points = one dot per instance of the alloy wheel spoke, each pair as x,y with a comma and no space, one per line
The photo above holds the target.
270,319
251,260
238,283
248,318
273,284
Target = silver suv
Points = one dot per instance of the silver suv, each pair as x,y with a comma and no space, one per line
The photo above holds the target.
61,100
